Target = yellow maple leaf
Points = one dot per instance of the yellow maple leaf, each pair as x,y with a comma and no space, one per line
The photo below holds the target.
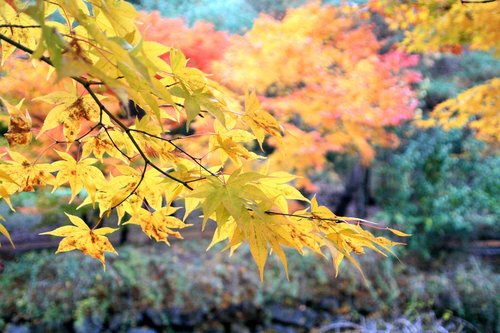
116,15
19,132
158,224
79,236
229,145
106,142
260,121
27,174
70,111
80,174
26,36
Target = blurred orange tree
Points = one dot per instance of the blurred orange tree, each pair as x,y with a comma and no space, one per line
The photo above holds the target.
201,43
137,167
324,73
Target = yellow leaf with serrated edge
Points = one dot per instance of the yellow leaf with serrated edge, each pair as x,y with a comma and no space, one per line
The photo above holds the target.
19,132
116,15
26,36
28,175
79,236
158,224
222,232
255,232
71,110
260,121
79,174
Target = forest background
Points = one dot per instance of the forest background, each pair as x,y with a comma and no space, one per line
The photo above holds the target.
355,92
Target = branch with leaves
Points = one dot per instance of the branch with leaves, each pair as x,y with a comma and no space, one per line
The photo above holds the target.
142,170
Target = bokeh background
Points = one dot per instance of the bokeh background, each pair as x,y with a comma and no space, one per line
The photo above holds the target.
348,98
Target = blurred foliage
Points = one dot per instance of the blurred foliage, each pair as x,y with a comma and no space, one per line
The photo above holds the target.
442,187
37,210
41,288
201,44
52,293
446,75
235,16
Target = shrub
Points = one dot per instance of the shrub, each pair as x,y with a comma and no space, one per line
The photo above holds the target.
442,186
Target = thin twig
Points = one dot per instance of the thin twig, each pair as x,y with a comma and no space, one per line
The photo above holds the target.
135,188
477,2
115,145
98,222
308,217
194,159
19,26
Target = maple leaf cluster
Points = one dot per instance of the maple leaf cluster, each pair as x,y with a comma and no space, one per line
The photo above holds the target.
137,167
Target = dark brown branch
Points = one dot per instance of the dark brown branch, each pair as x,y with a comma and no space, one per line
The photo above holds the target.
24,48
19,26
195,180
478,2
338,219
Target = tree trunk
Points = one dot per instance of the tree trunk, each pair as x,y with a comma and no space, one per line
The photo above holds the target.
357,190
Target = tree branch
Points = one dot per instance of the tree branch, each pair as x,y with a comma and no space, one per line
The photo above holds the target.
19,26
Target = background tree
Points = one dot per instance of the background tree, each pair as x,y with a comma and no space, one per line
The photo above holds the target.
201,43
339,89
456,26
459,93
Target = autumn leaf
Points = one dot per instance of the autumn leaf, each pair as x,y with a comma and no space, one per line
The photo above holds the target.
27,175
398,233
70,111
79,174
260,121
9,16
158,224
117,15
79,236
105,143
19,132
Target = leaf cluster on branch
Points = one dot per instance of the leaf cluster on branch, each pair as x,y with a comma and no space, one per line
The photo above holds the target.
137,166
